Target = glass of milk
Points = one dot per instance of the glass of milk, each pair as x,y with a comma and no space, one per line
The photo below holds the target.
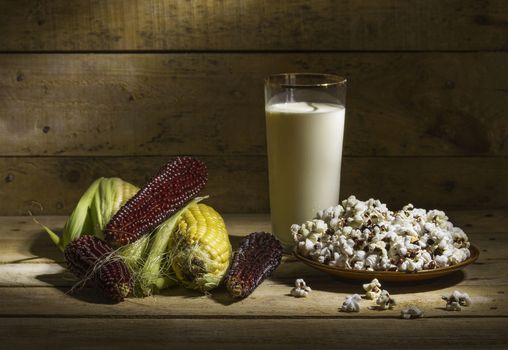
305,115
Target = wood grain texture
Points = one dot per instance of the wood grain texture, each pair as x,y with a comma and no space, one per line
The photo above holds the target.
269,318
236,184
104,333
399,104
75,25
33,252
239,184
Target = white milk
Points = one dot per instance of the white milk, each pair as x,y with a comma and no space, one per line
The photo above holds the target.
304,157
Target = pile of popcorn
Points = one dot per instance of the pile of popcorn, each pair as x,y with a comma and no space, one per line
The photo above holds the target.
368,236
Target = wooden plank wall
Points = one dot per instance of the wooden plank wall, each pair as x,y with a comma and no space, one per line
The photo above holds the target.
114,88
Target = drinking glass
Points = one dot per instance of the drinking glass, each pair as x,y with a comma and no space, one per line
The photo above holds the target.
305,114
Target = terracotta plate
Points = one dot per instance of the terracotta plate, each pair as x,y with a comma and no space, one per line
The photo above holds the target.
391,275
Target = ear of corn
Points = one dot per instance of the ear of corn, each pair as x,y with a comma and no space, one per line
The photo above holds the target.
169,190
90,258
200,250
259,254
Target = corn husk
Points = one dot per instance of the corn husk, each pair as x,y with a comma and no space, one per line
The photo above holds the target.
94,210
156,273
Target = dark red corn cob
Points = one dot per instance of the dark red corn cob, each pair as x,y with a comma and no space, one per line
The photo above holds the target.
90,258
260,253
174,185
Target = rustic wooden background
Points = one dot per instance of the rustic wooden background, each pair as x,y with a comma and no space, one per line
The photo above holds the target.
94,88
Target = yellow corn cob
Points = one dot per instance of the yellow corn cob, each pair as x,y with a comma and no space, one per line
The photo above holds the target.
200,250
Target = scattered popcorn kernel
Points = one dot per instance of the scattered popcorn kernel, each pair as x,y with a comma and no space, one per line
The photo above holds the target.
351,304
372,289
301,289
457,299
385,301
411,312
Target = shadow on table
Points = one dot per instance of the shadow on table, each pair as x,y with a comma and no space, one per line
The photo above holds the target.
219,295
43,247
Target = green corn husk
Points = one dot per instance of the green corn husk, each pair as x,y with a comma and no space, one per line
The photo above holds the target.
111,195
95,208
103,198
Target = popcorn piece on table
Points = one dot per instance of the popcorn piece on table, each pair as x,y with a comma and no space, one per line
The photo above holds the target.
385,301
453,306
372,289
411,312
301,289
457,299
351,304
464,299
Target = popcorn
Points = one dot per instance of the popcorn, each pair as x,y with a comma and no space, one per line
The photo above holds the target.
455,300
351,304
385,301
459,255
372,289
320,226
366,235
453,306
411,312
301,289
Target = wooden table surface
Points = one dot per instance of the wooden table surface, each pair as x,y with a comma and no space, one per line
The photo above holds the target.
37,310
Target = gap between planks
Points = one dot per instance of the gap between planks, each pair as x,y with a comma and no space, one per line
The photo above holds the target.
236,317
246,51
